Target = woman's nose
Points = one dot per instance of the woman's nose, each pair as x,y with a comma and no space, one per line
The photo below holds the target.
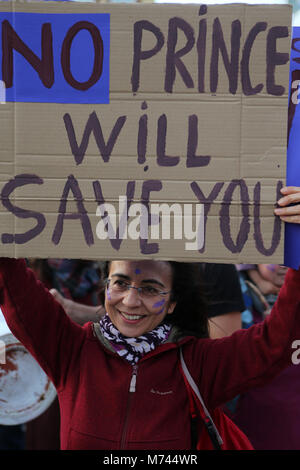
131,298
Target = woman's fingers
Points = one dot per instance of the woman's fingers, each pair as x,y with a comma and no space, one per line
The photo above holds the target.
57,296
290,189
286,212
291,195
289,214
54,292
292,219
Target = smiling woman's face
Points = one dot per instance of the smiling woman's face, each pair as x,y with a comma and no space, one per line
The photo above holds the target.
134,314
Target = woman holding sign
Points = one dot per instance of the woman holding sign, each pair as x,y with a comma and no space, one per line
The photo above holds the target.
121,382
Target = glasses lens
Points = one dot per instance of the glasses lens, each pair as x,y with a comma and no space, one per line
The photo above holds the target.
149,291
118,286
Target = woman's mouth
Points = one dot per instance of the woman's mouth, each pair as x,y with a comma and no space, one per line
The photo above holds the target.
131,318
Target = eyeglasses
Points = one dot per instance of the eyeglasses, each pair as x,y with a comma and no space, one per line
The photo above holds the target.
118,286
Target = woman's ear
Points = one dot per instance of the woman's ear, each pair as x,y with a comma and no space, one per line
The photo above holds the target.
171,307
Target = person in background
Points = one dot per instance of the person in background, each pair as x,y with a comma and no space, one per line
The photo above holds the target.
269,278
224,298
225,306
78,312
12,437
260,285
269,415
73,279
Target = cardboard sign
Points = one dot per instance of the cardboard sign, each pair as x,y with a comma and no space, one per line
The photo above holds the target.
135,131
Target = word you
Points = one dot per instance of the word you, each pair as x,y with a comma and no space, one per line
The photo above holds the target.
157,217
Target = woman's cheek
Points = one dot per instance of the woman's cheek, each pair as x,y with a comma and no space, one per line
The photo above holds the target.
161,305
108,294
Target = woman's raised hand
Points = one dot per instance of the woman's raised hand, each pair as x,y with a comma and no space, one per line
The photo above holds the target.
286,211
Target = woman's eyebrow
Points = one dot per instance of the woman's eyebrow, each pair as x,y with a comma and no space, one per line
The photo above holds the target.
127,278
153,281
121,275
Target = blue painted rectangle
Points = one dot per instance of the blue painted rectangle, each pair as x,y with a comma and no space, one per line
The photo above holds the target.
27,86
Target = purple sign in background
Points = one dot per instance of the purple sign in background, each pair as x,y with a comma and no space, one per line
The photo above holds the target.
292,231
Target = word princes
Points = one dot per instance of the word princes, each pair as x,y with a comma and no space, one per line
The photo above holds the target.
232,61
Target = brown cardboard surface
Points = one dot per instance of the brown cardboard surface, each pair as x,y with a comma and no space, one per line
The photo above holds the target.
245,137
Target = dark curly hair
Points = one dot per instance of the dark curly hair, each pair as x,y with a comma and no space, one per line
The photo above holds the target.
190,313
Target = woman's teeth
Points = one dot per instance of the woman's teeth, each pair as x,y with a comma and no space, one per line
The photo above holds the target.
132,317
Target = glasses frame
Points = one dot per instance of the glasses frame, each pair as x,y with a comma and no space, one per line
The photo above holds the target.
138,289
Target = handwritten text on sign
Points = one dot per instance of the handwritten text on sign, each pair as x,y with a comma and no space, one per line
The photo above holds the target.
58,57
170,58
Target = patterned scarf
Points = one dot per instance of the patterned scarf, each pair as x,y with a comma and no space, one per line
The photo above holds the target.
133,349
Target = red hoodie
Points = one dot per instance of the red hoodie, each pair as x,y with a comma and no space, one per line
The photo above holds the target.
98,410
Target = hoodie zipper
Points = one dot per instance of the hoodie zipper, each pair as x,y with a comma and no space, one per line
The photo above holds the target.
132,389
